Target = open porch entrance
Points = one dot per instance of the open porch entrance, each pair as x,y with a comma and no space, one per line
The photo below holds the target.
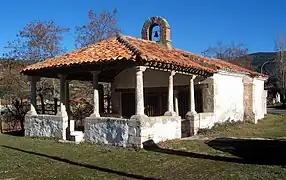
135,93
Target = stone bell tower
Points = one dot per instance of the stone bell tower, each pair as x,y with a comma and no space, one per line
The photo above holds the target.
165,32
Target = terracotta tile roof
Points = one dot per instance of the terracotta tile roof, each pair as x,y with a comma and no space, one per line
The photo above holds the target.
130,48
106,50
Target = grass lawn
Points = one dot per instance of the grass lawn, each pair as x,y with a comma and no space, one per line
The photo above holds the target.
28,158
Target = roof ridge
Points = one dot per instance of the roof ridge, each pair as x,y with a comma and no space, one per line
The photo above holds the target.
120,38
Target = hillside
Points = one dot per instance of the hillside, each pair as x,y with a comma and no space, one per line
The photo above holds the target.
261,57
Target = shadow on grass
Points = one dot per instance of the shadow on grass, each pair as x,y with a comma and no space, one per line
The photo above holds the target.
15,133
268,156
258,151
135,176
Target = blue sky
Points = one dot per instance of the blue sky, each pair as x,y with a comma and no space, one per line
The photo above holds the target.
194,24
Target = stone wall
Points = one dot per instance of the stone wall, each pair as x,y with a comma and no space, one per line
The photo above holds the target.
161,128
106,130
46,126
133,132
194,122
249,115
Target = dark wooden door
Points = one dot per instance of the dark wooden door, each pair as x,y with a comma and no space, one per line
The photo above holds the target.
128,104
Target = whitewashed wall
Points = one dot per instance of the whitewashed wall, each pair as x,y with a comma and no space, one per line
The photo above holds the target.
151,78
206,120
258,104
161,128
228,97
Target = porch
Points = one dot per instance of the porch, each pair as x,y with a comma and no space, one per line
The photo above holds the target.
142,107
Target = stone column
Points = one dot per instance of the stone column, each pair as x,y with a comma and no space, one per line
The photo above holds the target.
33,94
192,118
192,106
115,100
176,95
139,91
95,113
63,110
67,97
170,111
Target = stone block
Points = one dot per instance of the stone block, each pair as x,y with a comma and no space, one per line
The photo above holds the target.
45,126
107,130
193,120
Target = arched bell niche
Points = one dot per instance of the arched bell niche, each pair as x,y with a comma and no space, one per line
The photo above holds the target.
164,33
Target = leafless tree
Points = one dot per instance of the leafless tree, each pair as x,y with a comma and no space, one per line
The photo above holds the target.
233,52
99,27
280,46
37,41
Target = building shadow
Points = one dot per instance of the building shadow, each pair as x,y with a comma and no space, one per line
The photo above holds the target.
124,174
242,156
259,151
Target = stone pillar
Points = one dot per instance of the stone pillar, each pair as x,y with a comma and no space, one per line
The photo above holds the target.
63,110
67,97
277,97
192,118
248,99
33,94
139,91
171,111
101,98
176,95
192,106
95,94
115,101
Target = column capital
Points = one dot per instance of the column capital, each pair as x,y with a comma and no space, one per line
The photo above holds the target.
172,73
140,68
193,77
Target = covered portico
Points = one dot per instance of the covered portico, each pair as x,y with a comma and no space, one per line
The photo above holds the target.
135,68
111,73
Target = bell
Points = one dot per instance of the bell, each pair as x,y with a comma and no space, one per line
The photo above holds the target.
156,35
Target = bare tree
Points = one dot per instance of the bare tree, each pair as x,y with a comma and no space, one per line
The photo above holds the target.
280,46
99,27
233,52
37,41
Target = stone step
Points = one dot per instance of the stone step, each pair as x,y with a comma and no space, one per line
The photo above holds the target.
77,136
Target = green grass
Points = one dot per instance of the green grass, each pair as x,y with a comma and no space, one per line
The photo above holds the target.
30,158
273,126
